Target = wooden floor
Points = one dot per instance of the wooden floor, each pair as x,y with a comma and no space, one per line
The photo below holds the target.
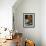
9,43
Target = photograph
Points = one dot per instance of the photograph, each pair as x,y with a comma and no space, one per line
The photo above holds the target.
22,22
29,19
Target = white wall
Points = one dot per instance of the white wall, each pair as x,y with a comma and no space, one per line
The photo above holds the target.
6,13
43,22
29,6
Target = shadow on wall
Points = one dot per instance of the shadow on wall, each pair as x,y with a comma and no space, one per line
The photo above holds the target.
27,6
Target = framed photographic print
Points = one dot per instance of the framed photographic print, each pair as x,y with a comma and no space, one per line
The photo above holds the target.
29,20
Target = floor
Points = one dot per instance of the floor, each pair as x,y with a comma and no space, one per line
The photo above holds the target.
9,43
12,42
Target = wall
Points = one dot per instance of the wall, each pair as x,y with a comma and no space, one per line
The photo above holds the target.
43,22
6,18
6,13
28,6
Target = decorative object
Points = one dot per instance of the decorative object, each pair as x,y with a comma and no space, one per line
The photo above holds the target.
9,34
29,20
18,39
29,43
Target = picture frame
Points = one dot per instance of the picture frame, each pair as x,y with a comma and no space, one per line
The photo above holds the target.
29,20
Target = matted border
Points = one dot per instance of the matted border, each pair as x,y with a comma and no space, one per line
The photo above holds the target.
32,25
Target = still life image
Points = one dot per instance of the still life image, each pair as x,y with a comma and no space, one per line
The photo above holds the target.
29,20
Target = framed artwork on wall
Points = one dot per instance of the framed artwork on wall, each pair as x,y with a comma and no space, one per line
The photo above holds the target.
29,20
